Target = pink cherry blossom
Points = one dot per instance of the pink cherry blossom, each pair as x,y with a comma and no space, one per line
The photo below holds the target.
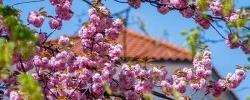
55,23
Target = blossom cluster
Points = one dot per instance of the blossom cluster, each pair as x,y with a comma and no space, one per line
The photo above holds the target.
66,75
63,11
233,41
234,18
230,82
96,70
195,77
191,10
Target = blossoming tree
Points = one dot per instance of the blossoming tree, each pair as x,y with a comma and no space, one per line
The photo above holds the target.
43,71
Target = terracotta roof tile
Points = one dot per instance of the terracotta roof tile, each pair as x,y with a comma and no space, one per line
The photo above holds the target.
140,45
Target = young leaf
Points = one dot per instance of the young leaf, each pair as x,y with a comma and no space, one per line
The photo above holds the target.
29,87
203,5
227,7
6,50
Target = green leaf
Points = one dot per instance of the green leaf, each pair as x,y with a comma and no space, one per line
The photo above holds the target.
177,95
184,32
241,22
203,5
192,41
147,96
248,98
227,7
29,87
8,11
23,37
4,73
6,50
25,48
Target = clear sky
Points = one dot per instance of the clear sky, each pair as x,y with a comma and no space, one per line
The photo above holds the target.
224,59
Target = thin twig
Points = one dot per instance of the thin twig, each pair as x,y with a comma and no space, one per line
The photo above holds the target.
248,28
203,97
217,31
26,2
48,36
213,41
120,1
161,95
121,12
88,2
193,94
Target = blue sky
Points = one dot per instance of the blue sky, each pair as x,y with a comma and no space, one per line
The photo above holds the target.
224,59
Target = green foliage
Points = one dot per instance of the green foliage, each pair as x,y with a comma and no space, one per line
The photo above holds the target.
227,7
8,11
22,36
248,98
6,50
193,39
19,32
148,96
203,5
241,21
29,87
177,95
235,38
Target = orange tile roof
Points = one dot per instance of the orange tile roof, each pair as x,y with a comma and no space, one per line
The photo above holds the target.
140,45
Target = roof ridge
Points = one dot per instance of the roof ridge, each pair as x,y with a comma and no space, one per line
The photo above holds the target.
165,43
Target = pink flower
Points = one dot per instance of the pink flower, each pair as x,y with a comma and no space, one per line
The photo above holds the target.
37,61
15,96
204,23
200,71
81,61
63,10
179,4
245,46
163,9
233,41
112,33
166,86
195,86
99,37
207,63
240,73
134,3
63,40
97,89
180,86
118,24
36,19
131,95
188,72
55,23
42,37
216,7
97,78
187,13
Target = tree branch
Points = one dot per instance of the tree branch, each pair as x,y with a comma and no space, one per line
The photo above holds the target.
26,2
161,95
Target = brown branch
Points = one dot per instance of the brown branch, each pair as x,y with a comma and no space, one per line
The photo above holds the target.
161,95
88,2
120,1
217,30
26,2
